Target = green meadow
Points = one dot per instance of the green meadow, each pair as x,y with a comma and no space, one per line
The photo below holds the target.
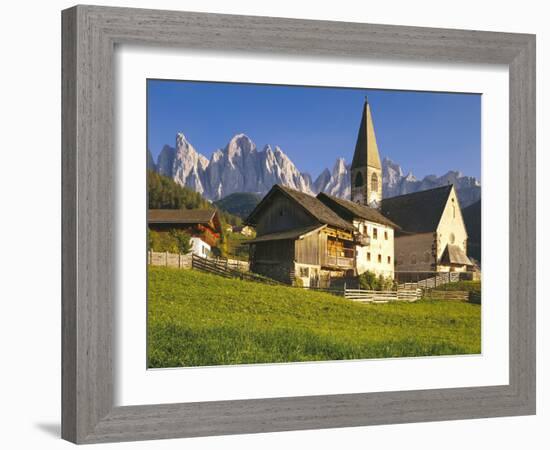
198,319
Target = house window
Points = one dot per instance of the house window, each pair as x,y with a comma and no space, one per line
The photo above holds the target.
304,272
368,256
375,233
358,180
413,258
386,235
389,259
379,258
374,183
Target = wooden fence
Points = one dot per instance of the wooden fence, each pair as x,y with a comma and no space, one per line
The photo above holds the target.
218,267
364,296
462,296
432,282
166,259
184,261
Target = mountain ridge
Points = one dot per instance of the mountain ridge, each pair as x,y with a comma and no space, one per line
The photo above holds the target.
240,167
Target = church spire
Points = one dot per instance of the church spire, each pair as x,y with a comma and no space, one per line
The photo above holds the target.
366,148
366,169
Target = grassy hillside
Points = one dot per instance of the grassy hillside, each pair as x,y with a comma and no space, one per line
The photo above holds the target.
239,204
196,319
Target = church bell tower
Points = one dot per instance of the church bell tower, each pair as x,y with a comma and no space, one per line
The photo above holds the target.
366,170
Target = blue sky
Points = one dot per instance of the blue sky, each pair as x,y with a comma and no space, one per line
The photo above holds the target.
426,133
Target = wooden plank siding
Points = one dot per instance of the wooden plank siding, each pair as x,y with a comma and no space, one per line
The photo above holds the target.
282,215
274,251
307,249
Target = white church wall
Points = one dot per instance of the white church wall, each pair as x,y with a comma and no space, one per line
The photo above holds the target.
451,229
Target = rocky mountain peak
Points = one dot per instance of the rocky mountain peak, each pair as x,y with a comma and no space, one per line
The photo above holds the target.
239,167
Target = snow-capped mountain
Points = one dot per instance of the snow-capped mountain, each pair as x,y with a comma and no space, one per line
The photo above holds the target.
240,167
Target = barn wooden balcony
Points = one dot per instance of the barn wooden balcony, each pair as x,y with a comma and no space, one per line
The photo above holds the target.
344,258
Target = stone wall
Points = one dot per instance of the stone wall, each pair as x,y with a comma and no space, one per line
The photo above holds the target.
280,271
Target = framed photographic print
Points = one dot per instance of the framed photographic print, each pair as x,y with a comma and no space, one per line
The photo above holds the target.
277,224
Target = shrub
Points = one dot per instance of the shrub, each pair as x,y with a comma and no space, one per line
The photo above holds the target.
369,281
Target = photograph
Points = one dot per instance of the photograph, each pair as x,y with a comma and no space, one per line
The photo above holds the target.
292,224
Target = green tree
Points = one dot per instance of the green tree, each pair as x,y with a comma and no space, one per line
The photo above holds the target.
182,241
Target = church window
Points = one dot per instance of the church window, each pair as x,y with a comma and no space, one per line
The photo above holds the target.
413,258
374,182
452,238
368,256
400,259
379,258
358,180
375,233
389,259
386,235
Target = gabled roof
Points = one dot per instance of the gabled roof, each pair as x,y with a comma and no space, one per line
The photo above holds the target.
183,216
350,210
295,233
366,148
419,212
314,207
453,254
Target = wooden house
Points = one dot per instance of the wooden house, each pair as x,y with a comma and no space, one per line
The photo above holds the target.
299,238
373,232
200,223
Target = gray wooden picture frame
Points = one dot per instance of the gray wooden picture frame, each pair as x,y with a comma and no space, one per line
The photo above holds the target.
90,34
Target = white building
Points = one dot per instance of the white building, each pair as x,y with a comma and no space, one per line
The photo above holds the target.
199,247
373,233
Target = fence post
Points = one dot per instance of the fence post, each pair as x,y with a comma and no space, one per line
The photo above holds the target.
179,260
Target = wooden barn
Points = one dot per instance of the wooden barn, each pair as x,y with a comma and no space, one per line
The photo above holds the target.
201,223
299,237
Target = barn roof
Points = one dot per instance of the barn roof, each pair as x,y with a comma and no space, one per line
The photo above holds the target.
184,216
295,233
419,212
350,210
453,254
313,206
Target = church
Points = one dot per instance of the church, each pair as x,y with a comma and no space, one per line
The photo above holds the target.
431,235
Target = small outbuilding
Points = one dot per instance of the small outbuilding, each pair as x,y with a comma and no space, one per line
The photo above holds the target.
200,223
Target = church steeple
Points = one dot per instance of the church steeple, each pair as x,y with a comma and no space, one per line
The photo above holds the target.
366,169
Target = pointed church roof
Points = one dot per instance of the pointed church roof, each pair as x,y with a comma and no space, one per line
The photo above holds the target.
419,212
366,148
